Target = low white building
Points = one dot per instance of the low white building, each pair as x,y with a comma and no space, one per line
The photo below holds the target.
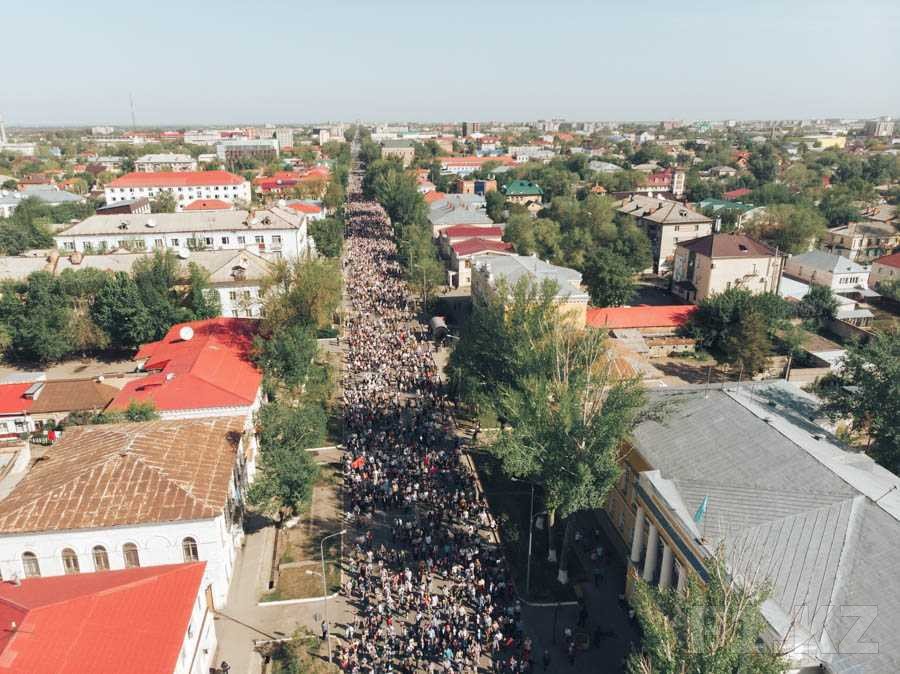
274,232
827,269
184,186
127,495
150,163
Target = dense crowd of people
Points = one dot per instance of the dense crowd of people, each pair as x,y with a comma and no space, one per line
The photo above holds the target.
430,594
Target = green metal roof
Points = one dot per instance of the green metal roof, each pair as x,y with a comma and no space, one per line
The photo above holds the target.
523,188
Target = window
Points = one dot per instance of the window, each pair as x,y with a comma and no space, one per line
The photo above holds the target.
234,312
132,558
224,240
157,243
242,239
101,558
259,239
189,549
232,295
70,561
208,240
246,294
31,565
276,239
174,242
69,245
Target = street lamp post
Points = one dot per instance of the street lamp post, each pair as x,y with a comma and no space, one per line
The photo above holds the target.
325,585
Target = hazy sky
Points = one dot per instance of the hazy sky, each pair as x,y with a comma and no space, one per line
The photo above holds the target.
196,61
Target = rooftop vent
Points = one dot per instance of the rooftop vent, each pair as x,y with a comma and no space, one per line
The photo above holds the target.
151,223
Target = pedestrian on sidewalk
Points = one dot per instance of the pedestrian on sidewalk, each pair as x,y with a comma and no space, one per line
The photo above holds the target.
545,660
324,631
582,615
571,653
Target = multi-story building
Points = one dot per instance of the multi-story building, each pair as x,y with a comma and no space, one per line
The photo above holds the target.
718,262
886,268
185,187
274,232
401,149
463,166
128,495
488,272
525,193
468,128
862,241
261,149
744,473
100,622
880,128
666,224
152,163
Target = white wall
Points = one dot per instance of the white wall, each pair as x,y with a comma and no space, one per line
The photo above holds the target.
159,543
183,195
199,647
286,242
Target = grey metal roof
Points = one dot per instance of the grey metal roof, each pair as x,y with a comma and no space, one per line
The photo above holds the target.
823,261
790,506
192,221
513,267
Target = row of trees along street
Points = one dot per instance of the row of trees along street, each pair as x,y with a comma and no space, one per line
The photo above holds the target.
566,419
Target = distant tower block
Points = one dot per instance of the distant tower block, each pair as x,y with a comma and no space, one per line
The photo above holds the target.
2,131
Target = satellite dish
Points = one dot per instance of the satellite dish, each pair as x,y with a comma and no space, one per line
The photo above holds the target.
186,333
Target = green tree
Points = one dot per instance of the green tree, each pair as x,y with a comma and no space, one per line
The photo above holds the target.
609,278
818,305
495,205
334,194
328,234
287,472
120,311
301,291
711,628
287,353
202,300
763,163
499,342
838,206
40,327
568,421
867,389
164,202
790,228
736,326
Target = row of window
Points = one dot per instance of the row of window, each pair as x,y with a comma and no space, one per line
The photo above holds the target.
130,555
141,244
233,188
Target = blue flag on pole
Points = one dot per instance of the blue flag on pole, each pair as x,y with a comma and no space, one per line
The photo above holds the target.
701,511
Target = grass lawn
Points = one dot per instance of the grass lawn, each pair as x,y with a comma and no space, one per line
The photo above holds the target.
510,502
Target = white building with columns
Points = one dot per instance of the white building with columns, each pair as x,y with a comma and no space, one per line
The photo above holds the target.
745,471
128,495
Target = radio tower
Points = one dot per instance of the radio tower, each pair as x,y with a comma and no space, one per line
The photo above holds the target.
133,123
2,131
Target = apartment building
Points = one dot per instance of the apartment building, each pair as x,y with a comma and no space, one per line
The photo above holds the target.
151,163
185,187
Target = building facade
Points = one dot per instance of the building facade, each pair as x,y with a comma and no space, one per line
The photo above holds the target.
274,232
713,264
176,163
184,186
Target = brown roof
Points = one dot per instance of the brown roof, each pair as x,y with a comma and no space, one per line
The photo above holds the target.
728,245
73,395
661,211
130,473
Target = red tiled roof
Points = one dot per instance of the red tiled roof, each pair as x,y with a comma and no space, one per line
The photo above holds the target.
212,369
736,194
305,208
432,197
477,244
208,205
669,316
132,620
467,231
177,179
476,161
892,260
13,400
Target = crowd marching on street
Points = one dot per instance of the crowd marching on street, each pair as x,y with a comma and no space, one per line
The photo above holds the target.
429,593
